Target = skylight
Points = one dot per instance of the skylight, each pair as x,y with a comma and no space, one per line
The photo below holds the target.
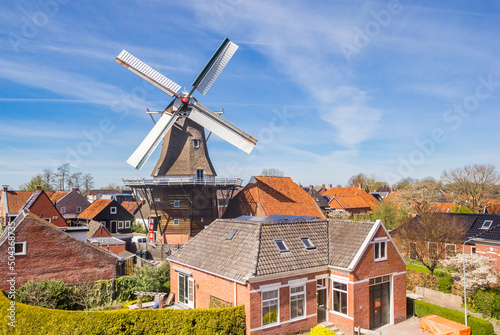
281,245
487,224
307,243
231,234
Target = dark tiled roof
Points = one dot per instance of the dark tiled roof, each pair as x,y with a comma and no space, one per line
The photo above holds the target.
253,252
346,237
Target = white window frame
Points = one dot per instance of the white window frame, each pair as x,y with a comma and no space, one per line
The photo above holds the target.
277,302
113,210
176,222
472,250
120,224
23,251
63,210
346,297
429,248
297,294
454,249
78,209
196,143
377,247
177,203
127,224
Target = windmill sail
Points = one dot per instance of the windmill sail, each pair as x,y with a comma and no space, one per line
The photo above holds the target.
147,73
149,144
214,66
222,128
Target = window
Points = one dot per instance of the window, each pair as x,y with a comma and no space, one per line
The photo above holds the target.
231,234
176,222
157,199
177,203
472,250
340,297
307,243
48,219
321,283
451,250
380,251
63,210
270,307
297,302
379,280
78,209
433,249
200,174
120,224
196,143
113,210
486,224
127,224
19,248
281,245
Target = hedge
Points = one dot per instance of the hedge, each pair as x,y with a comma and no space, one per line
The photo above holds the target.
38,320
477,326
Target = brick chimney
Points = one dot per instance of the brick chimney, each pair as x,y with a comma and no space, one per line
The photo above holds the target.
359,186
75,189
38,187
329,186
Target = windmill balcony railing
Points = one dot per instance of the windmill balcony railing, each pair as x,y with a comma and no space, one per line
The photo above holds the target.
179,181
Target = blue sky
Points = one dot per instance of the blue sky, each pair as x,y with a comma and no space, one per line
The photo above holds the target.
330,88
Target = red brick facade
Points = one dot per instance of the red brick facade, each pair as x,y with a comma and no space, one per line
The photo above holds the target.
53,254
358,291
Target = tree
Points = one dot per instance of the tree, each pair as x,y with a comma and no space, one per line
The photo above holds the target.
419,195
370,184
62,174
389,214
473,182
460,209
36,181
425,237
111,186
48,177
404,184
87,182
480,271
271,172
75,180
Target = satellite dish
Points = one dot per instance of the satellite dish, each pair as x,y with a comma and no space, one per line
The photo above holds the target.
185,105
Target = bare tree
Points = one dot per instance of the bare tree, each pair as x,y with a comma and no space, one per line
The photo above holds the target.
48,177
87,182
473,182
271,172
75,180
424,238
370,184
62,174
419,195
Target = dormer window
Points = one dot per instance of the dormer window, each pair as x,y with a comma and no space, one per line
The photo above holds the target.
307,243
113,210
281,245
487,224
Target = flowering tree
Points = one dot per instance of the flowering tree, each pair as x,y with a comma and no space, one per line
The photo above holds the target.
480,270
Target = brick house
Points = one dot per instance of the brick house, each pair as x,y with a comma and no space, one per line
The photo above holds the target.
293,274
99,236
110,214
43,251
69,203
272,195
351,199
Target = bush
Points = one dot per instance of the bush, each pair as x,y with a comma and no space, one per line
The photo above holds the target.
445,284
478,326
487,302
320,330
36,320
45,293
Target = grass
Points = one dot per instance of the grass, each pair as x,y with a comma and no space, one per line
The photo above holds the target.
419,268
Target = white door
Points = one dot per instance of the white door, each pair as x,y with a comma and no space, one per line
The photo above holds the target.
190,292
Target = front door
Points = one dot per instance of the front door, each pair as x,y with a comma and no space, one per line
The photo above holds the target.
190,293
379,305
321,299
182,288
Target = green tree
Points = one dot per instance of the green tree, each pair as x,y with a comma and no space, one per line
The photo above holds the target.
388,212
461,209
34,182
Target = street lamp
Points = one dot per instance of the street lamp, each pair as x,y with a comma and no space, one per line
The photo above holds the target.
465,285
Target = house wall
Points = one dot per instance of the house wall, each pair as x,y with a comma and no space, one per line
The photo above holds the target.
53,254
492,252
44,208
116,249
121,215
70,203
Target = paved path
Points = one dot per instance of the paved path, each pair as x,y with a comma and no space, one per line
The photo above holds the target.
408,327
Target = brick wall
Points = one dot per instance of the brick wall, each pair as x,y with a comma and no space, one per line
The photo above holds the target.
52,254
44,208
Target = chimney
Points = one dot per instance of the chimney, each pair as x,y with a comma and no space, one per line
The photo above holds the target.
310,186
359,186
5,188
38,187
392,190
75,189
329,186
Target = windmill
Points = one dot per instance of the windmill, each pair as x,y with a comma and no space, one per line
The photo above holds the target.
183,191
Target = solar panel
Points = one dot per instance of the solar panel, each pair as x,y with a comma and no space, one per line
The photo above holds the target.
231,234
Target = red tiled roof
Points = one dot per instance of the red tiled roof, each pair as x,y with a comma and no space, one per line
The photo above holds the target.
349,202
340,192
131,206
56,196
95,208
273,195
17,199
442,207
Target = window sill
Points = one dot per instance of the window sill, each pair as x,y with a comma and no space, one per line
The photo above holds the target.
270,325
380,259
